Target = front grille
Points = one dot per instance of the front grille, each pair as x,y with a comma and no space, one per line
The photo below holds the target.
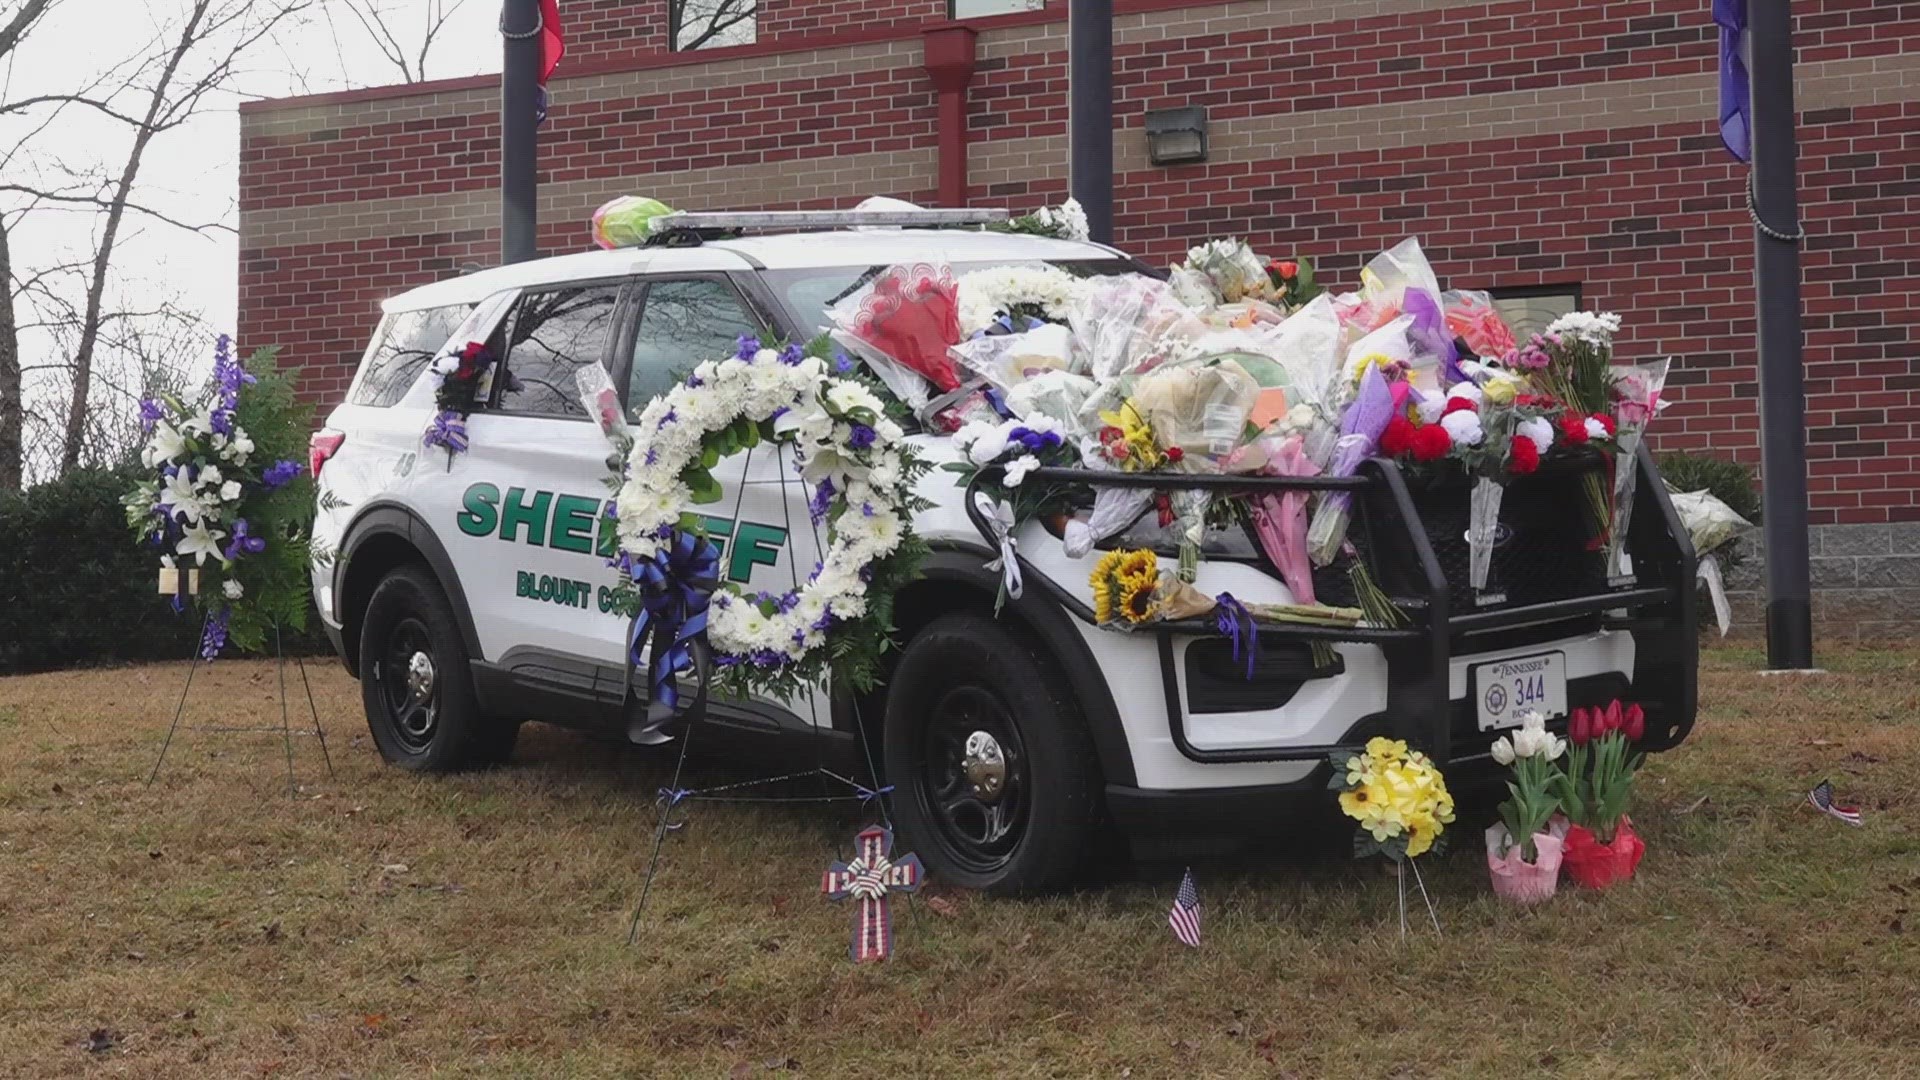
1548,547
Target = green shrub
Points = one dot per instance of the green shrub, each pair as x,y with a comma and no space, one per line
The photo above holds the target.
1729,481
75,589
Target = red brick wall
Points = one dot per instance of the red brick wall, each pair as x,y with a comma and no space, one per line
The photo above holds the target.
1648,220
808,18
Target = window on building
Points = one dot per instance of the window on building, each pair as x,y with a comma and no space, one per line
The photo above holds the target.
552,335
404,344
980,9
711,24
683,322
1531,309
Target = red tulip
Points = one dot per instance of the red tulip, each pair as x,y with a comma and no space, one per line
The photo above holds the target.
1608,721
1580,727
1635,723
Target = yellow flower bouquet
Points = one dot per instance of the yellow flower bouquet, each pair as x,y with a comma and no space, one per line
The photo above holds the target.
1397,795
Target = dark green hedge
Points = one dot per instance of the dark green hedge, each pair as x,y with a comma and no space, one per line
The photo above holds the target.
1730,481
76,589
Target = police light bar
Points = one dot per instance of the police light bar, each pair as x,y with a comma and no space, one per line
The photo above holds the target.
789,220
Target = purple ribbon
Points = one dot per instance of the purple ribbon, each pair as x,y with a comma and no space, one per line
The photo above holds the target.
1235,622
449,429
1736,90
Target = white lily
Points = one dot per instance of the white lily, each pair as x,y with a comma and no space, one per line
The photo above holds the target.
180,496
199,542
166,444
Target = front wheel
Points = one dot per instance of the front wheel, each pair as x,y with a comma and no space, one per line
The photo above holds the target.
415,683
997,786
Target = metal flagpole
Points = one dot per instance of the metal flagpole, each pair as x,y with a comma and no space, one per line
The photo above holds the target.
520,26
1090,112
1774,205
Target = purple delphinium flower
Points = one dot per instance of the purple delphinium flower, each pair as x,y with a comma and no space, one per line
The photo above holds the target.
822,500
792,355
281,473
653,455
214,638
1035,441
695,382
745,346
244,542
842,363
861,437
151,412
669,417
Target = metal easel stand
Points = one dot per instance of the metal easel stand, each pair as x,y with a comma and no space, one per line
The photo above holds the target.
285,730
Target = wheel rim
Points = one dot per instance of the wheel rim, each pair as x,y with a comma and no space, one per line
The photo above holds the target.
973,782
410,685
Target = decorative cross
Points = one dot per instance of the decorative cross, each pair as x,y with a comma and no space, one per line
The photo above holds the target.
871,875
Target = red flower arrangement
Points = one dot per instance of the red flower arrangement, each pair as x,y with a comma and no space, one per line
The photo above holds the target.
1573,428
1602,848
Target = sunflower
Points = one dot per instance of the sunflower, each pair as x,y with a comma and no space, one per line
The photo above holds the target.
1137,602
1141,565
1106,586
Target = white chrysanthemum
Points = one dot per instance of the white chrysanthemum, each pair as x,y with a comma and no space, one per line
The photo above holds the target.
1594,328
983,294
1463,428
1430,409
1596,429
847,396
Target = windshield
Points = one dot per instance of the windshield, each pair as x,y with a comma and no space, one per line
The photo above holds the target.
807,293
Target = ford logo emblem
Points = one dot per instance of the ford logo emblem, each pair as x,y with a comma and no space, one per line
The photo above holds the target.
1501,534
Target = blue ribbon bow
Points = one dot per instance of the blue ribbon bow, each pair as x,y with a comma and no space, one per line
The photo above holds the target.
676,587
1234,621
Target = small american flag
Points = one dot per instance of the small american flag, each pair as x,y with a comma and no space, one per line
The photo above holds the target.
1185,916
1822,799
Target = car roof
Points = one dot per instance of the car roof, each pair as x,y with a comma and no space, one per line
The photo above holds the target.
855,247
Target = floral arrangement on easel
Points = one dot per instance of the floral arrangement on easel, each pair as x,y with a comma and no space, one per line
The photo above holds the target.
1401,802
228,505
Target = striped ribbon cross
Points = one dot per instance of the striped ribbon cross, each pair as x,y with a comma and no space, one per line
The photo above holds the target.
870,879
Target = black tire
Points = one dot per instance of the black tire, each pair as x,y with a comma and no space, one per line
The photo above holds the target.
444,729
966,673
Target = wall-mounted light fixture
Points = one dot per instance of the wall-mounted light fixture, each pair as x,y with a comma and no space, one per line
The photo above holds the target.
1177,136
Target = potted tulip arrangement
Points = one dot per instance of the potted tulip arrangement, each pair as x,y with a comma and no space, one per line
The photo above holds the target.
1526,870
1601,848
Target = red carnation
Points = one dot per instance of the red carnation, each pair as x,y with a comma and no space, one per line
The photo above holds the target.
1607,422
1522,456
1431,443
1459,404
1573,427
1398,438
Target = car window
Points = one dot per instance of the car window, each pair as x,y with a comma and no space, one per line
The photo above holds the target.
553,334
404,344
683,322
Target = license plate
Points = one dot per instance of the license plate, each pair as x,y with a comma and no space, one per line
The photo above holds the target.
1505,690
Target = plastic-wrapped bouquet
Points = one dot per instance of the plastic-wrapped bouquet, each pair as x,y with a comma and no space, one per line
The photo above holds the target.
229,506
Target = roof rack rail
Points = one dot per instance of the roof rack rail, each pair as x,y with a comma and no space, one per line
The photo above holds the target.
683,227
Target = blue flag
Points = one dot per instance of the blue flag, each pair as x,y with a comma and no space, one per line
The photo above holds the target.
1736,90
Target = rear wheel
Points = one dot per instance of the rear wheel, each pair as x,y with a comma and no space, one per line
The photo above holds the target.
416,685
996,782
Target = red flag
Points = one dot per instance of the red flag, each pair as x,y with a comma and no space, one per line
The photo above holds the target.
552,45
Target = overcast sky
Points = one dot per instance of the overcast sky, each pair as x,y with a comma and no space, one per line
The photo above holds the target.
189,173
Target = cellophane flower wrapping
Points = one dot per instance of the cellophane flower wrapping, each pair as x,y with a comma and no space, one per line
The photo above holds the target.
1114,508
1473,319
906,318
626,221
1230,269
1126,326
1201,408
1280,519
1360,429
1007,360
1636,390
1595,865
1057,395
1515,879
1483,524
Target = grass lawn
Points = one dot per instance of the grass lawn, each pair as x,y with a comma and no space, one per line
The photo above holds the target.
384,924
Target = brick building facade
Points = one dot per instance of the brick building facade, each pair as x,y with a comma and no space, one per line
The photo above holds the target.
1562,145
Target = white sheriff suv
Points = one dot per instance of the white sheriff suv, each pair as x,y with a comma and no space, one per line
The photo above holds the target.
471,593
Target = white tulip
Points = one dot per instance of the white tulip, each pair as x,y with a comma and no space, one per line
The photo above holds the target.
1503,751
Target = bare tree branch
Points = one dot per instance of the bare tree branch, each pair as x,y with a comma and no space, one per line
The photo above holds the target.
381,28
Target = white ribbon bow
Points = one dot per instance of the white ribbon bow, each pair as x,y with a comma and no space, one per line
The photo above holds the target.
1000,519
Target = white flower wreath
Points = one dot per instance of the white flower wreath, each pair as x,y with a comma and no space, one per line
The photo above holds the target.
855,460
983,294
